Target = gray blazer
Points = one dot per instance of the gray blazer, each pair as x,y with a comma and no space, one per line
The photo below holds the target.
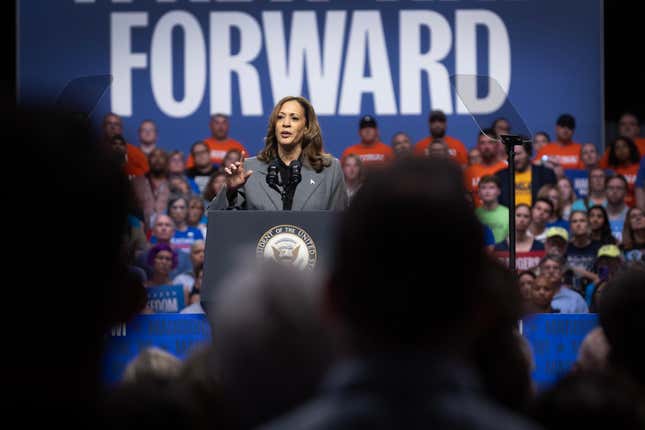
317,191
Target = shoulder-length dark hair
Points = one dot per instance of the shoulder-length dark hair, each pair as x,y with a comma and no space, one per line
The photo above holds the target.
209,192
634,155
629,238
606,237
312,142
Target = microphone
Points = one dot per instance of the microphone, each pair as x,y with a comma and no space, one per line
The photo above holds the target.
296,175
272,174
273,179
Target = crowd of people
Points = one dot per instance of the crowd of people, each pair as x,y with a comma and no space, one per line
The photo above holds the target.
379,341
582,209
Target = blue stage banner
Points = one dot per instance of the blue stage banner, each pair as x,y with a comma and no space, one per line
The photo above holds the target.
177,62
555,340
175,333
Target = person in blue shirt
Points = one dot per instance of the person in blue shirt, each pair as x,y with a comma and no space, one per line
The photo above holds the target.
565,299
185,235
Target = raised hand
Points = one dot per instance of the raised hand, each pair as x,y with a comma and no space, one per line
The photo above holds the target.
236,175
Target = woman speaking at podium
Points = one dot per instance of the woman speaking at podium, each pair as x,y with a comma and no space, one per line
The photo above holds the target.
292,172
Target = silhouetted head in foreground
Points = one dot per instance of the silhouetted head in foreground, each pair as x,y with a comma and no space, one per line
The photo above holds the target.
408,229
73,280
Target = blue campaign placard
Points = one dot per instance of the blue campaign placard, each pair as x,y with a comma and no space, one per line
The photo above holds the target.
176,333
580,180
166,298
555,340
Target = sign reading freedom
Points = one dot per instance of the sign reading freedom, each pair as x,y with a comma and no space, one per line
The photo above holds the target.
177,62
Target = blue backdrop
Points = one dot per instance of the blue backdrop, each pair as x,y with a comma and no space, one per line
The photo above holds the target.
176,62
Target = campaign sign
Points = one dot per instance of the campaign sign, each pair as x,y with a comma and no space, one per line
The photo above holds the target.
166,298
555,340
523,260
176,62
174,333
580,180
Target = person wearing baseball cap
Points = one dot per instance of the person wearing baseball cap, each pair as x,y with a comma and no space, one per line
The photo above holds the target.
556,241
438,124
608,263
609,251
370,149
563,152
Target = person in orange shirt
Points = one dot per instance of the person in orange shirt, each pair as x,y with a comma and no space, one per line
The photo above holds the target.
624,159
147,136
488,148
401,144
370,149
628,126
136,161
564,152
219,143
438,125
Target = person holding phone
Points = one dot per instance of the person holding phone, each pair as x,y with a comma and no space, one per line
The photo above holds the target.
292,159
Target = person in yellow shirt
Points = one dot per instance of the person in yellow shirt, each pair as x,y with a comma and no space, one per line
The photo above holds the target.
529,178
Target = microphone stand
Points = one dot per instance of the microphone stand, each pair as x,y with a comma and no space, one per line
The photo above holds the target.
285,190
509,143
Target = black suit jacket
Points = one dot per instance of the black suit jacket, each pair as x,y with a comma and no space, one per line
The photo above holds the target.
540,176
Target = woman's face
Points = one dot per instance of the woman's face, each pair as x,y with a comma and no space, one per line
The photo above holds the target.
179,211
195,212
636,219
522,218
218,183
291,124
526,286
554,196
176,164
596,219
163,262
538,142
621,150
565,189
579,224
231,158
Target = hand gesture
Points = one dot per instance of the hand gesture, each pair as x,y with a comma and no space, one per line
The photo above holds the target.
236,176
